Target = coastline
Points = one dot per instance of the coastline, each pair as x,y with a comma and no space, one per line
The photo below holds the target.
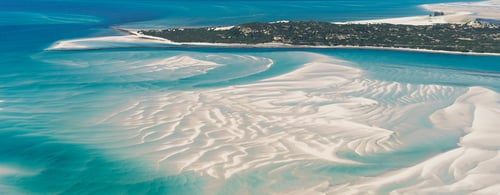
283,45
134,37
106,108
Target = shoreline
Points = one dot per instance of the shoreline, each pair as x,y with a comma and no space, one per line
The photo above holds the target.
135,37
133,32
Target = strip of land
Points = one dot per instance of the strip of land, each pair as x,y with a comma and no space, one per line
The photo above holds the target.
454,28
474,37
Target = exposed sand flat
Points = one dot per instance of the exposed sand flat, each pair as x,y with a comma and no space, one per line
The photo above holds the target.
456,17
460,13
454,13
484,9
106,42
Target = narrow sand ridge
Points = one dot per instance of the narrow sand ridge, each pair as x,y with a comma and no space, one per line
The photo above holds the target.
275,126
109,42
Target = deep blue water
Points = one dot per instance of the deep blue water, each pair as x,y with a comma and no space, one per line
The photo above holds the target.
41,95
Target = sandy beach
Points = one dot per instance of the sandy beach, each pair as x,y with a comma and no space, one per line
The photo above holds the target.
458,17
137,38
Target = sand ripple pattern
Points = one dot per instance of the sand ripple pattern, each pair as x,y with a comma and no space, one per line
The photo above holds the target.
308,115
472,168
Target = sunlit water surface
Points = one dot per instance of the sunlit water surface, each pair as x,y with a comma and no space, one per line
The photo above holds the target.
147,120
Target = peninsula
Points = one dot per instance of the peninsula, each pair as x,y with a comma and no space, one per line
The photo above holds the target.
470,37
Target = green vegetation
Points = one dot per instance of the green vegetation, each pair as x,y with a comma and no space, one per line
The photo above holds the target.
474,37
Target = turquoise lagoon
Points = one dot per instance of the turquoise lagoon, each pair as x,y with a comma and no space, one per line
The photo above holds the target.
148,120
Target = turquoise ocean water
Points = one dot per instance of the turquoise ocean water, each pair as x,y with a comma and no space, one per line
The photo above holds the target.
51,102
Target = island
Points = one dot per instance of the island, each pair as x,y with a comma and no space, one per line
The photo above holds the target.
473,36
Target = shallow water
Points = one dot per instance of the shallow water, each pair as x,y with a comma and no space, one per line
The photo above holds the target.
204,120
